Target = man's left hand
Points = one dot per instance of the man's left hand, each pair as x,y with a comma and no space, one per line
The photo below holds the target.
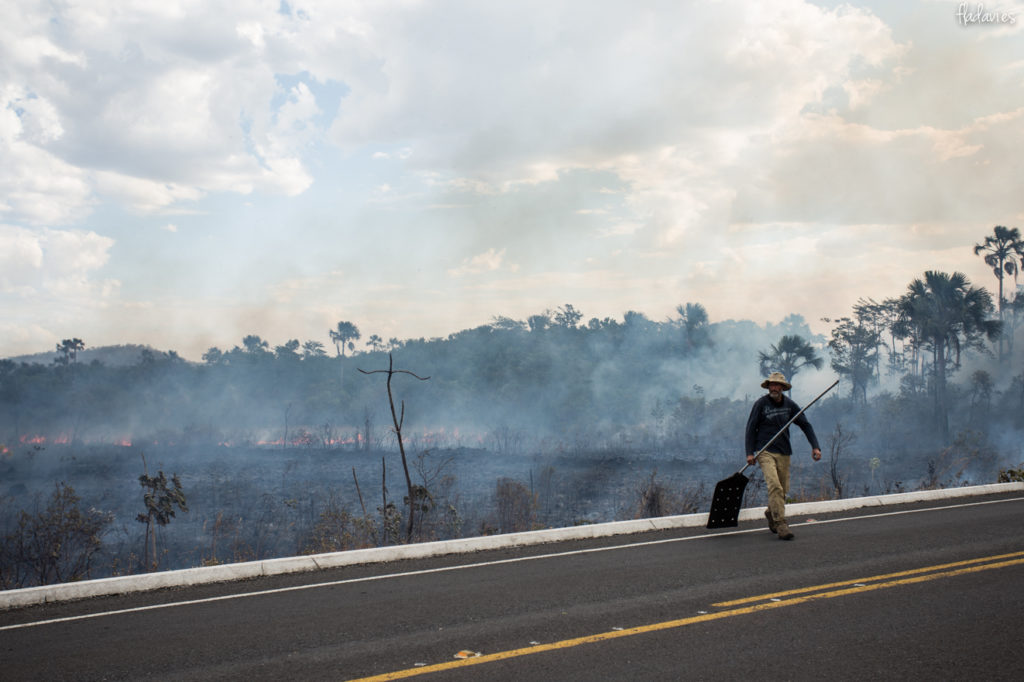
816,454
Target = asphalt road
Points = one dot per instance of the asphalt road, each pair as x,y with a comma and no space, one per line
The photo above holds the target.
931,591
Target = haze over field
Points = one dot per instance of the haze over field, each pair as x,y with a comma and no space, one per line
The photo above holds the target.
181,174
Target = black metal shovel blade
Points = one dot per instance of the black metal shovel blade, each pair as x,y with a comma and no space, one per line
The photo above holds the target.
725,505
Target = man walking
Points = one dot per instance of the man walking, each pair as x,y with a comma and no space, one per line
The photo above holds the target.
769,414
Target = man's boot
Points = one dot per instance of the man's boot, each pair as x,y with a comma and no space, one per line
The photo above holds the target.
771,520
783,530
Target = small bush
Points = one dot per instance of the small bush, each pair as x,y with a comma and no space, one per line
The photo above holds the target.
1012,475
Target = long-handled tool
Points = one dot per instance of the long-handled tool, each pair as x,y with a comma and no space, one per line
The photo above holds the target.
728,497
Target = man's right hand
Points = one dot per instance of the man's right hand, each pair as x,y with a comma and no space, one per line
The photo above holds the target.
751,459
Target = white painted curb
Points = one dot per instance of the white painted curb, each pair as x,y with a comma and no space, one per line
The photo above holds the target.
252,569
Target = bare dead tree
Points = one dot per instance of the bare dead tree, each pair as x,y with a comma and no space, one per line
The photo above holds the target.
390,518
285,439
838,442
514,504
399,418
366,429
366,519
653,498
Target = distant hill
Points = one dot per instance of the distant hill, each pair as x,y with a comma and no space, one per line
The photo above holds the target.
111,356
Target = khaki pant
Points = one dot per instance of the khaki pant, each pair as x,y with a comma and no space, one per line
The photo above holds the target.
776,476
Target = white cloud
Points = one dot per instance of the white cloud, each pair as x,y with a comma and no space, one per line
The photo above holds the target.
36,186
827,168
488,261
619,229
158,105
140,194
52,262
644,85
188,118
611,89
21,257
37,121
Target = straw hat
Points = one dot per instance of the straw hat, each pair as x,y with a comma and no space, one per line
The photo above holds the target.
776,378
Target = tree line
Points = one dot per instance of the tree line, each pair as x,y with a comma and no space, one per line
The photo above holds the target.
551,383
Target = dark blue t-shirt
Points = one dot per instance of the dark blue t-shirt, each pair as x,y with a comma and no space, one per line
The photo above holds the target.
767,417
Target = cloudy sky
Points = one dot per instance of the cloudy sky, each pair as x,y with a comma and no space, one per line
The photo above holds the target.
183,173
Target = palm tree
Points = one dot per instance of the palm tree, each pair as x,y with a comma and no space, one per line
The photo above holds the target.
70,348
791,354
213,356
1014,317
694,318
854,349
538,323
343,334
313,349
871,315
1001,249
948,315
254,345
567,316
288,351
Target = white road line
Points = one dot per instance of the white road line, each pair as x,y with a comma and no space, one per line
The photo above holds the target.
482,564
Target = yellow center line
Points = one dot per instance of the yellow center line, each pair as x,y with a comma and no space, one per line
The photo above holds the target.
919,576
886,576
